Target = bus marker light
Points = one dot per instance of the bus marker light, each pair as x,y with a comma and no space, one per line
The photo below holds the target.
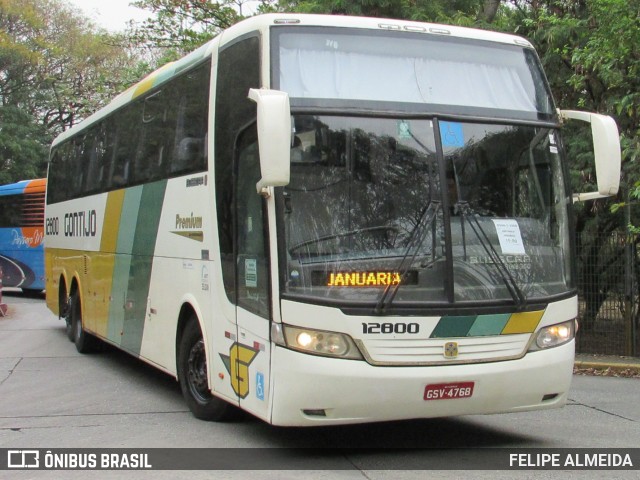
440,31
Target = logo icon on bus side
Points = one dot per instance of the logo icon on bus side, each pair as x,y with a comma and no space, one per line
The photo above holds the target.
237,364
451,349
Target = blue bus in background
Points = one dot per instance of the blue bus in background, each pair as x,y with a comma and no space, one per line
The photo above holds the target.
22,234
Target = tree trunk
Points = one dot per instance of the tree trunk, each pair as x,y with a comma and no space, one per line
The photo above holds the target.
489,10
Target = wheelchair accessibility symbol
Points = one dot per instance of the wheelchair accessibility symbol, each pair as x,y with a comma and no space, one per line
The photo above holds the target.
260,386
451,134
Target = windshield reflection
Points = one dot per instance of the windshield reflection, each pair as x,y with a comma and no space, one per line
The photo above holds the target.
361,188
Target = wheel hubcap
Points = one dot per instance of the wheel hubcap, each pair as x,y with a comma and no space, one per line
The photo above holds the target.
197,372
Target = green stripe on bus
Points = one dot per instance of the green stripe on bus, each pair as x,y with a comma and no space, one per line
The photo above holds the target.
486,325
122,263
144,242
453,326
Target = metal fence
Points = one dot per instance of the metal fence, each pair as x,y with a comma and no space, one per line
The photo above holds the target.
608,295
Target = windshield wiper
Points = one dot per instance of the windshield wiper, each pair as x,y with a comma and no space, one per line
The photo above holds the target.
413,247
515,291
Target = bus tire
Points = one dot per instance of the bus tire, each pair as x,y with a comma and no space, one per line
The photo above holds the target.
192,373
65,313
85,342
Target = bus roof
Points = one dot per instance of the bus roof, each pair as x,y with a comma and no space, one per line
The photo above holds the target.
262,23
24,186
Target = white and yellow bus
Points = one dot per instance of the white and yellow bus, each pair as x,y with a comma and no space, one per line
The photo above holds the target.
329,220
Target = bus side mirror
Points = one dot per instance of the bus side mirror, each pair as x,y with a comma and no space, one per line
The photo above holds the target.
606,146
274,137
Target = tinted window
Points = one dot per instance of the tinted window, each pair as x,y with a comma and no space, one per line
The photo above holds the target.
238,71
160,135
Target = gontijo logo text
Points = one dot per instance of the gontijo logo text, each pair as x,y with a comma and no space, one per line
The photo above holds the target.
74,224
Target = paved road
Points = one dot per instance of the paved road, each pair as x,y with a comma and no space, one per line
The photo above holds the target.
53,397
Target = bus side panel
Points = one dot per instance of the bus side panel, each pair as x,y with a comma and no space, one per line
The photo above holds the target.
103,263
118,232
186,273
73,232
52,274
21,243
181,272
139,278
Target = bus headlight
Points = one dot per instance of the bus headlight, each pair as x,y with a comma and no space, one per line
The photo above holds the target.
320,342
555,335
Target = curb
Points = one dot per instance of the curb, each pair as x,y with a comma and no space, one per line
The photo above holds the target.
605,365
616,364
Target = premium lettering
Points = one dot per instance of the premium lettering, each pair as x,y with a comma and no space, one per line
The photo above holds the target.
185,223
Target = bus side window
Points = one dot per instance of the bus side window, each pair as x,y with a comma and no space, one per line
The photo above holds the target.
191,111
127,124
151,149
79,155
185,146
57,170
11,211
95,158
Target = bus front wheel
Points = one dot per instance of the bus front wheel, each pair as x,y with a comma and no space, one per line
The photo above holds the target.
192,373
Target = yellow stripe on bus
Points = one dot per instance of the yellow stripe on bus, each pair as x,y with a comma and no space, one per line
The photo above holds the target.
522,322
147,83
111,221
102,264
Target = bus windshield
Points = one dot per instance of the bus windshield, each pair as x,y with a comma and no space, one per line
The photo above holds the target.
476,213
333,64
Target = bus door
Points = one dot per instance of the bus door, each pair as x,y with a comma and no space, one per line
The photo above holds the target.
252,349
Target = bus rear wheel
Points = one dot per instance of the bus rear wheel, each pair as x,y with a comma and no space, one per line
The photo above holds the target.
85,342
192,373
65,313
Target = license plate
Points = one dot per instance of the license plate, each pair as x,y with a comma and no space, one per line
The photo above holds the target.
448,391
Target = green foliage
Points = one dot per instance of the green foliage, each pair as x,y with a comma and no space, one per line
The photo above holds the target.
180,26
441,11
55,69
589,49
23,146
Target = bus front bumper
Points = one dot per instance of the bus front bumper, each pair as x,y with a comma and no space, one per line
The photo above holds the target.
310,390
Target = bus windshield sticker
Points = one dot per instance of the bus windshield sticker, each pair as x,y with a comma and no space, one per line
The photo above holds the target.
509,236
451,134
251,273
404,129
